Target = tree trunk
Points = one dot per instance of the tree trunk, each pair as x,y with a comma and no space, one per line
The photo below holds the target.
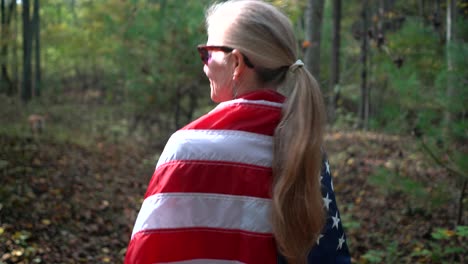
378,95
314,17
27,50
381,21
437,20
2,45
36,25
449,36
5,81
364,104
421,10
335,61
15,87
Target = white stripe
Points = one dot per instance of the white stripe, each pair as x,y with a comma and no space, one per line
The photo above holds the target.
219,145
204,261
186,210
245,101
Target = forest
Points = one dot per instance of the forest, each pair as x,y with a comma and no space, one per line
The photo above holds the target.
90,91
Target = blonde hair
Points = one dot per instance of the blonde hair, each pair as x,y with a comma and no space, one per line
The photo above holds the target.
265,35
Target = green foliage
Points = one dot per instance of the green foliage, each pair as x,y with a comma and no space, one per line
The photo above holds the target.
425,96
408,90
345,120
141,53
447,245
374,256
349,223
417,191
462,231
389,255
292,8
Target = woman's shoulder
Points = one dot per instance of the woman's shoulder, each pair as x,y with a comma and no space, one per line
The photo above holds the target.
259,116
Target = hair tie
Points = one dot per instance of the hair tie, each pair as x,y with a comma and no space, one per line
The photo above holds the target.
296,65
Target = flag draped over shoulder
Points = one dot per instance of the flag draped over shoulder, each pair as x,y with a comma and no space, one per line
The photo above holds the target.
209,198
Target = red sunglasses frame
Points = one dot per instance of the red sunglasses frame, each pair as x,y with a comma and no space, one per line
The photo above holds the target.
205,55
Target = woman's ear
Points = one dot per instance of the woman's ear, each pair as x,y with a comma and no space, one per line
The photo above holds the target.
239,63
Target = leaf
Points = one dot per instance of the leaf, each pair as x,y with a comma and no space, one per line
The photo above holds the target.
462,231
374,256
21,236
46,222
442,233
104,205
17,252
454,250
6,256
421,252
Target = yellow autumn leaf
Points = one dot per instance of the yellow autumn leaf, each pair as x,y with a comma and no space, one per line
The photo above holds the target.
449,233
358,200
17,252
417,249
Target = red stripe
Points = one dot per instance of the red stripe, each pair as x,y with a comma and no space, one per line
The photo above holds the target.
211,177
201,243
259,119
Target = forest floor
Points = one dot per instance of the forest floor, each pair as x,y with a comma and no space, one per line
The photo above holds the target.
64,203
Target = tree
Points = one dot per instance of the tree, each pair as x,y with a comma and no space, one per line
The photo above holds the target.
15,88
37,49
450,93
364,103
448,42
7,8
335,60
314,17
27,52
437,19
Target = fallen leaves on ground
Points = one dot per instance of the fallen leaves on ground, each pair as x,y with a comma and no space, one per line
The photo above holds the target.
64,203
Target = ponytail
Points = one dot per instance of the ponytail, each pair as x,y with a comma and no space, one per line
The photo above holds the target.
297,213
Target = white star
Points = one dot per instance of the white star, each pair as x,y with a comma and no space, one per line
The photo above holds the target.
336,220
341,241
321,177
327,202
318,239
333,188
327,166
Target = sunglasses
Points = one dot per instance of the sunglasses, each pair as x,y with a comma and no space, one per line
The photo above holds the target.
205,53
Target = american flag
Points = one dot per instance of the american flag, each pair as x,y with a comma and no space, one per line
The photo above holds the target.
331,246
209,198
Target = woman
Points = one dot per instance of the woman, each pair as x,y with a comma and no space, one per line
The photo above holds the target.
242,183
